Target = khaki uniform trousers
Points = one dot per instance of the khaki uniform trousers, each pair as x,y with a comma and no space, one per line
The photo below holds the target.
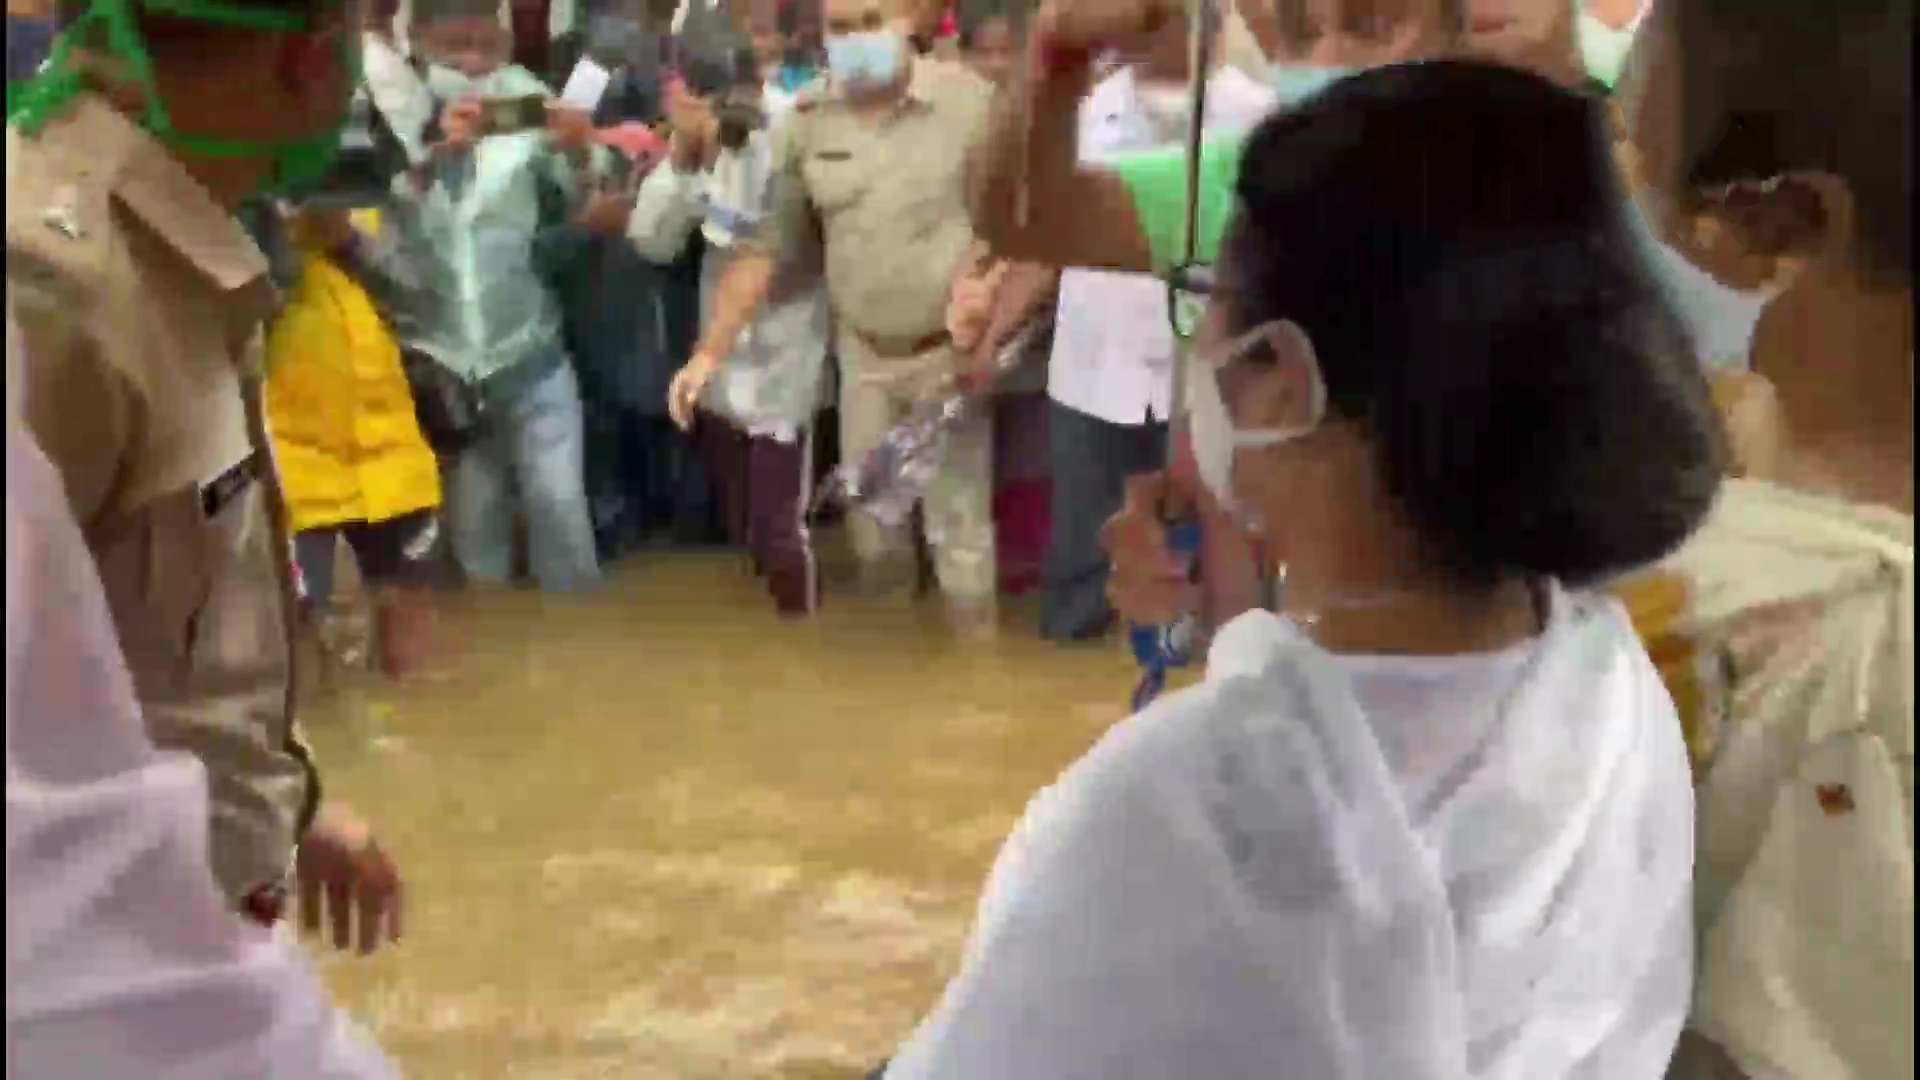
877,392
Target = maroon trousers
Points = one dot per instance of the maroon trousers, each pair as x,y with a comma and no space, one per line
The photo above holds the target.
765,485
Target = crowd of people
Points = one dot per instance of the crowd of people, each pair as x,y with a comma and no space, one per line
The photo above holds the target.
606,347
1540,380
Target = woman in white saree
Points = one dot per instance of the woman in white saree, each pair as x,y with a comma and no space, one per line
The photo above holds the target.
1787,631
1431,818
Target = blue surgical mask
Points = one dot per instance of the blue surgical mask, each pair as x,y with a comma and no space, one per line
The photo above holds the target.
791,76
867,59
1295,83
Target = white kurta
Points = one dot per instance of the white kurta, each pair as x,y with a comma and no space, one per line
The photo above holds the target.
399,93
1112,345
123,960
1348,868
1805,606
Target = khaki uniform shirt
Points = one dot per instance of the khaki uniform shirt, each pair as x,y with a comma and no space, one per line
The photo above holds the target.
140,302
886,195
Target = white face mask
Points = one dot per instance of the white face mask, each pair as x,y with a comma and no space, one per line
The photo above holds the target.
1216,440
450,83
1719,318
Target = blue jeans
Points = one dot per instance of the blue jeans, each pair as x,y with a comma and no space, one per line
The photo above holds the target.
532,448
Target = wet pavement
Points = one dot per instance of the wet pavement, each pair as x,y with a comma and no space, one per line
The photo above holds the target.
659,833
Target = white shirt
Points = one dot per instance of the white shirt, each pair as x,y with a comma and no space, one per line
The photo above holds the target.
123,961
1348,867
1112,348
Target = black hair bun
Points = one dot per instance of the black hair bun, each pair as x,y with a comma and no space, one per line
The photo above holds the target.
1452,237
1558,423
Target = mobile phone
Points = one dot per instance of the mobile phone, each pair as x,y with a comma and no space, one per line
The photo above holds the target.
504,116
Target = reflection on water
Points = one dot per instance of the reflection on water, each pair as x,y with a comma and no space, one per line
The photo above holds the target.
659,833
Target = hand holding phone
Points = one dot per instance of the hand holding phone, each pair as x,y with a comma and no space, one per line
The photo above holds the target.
462,123
506,116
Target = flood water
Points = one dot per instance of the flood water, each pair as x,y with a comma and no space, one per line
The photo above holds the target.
658,833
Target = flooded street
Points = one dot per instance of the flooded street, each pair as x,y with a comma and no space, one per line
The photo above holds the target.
660,833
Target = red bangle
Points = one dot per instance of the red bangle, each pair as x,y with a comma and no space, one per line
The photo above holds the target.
266,904
1057,57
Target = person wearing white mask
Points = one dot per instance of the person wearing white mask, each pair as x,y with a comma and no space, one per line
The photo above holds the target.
483,195
1788,123
1429,817
124,962
1034,198
1719,289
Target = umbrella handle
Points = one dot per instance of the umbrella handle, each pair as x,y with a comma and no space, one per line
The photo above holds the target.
1162,648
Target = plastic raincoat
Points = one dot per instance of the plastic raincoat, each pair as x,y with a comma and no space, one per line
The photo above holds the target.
479,216
339,408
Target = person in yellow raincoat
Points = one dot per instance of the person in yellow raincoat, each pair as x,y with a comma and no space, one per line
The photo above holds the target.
351,455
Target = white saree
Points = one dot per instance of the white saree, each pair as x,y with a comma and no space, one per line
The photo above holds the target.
1318,867
1790,653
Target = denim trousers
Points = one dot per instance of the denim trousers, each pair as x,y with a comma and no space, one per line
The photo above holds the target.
530,462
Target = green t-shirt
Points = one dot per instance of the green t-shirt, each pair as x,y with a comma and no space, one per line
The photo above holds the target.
1604,50
1157,179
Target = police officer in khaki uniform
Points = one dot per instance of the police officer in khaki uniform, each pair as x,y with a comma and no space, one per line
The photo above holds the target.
872,164
140,302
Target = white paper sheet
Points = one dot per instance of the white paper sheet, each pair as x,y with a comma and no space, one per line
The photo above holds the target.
586,85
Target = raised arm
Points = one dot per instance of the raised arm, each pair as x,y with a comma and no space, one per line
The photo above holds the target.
1033,200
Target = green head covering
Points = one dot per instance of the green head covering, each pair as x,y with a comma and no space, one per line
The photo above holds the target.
111,27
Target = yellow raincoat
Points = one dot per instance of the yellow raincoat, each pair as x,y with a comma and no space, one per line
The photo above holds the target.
339,408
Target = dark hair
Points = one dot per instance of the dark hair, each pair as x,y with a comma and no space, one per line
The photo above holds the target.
973,16
1451,237
1772,87
427,12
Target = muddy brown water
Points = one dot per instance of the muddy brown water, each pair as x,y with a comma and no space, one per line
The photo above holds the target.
659,833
